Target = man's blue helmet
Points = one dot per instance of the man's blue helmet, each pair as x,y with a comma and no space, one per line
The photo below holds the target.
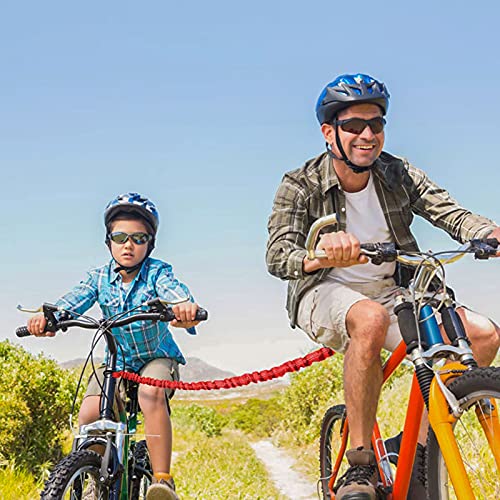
347,90
132,203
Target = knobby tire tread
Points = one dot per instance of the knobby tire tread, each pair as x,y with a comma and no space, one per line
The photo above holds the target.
66,469
332,415
479,381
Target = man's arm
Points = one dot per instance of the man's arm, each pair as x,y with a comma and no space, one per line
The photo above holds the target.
287,231
288,226
435,204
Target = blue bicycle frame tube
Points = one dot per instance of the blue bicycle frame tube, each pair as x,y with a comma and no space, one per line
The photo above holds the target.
429,326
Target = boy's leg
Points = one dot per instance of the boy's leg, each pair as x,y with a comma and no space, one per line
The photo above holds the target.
154,405
89,410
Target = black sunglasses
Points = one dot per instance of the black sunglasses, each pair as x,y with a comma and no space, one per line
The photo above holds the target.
137,238
357,125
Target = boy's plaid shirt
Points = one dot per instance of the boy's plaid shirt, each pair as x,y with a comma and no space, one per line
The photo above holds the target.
141,341
312,191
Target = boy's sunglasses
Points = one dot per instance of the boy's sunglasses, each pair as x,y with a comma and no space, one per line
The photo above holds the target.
138,238
357,125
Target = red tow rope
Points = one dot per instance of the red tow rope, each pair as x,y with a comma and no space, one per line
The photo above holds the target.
228,383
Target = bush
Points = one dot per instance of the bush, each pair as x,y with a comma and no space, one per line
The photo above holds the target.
201,418
256,416
35,401
310,393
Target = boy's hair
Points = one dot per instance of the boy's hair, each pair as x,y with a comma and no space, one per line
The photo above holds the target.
123,215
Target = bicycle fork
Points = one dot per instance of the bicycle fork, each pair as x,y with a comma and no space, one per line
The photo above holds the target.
443,420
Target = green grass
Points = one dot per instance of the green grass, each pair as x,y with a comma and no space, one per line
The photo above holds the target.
18,485
219,468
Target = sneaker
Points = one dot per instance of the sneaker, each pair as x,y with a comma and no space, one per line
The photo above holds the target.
162,490
360,480
418,481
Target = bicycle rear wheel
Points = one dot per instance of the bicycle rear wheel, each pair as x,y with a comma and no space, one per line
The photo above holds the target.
329,445
76,477
477,391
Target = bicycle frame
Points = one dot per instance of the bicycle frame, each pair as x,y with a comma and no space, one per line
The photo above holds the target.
113,435
430,390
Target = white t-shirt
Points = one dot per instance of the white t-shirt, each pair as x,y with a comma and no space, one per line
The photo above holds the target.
365,220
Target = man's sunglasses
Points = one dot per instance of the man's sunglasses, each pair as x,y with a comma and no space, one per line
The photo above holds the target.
357,125
138,238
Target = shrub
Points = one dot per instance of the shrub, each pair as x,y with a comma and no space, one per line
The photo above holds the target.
306,399
256,416
35,401
201,418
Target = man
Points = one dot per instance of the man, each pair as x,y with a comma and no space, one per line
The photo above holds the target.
343,301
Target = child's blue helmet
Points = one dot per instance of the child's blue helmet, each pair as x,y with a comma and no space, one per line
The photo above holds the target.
132,203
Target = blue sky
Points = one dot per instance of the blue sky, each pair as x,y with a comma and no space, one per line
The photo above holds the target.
203,107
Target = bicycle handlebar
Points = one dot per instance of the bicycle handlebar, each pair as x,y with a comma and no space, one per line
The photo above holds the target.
165,315
387,252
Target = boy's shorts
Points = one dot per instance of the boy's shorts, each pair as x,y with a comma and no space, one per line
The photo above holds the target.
323,310
160,368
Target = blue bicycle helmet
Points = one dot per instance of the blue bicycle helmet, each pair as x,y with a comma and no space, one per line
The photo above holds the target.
132,203
343,92
347,90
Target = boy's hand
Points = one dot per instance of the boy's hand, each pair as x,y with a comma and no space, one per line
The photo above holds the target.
36,326
184,315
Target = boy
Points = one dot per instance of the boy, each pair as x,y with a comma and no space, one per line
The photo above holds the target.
128,280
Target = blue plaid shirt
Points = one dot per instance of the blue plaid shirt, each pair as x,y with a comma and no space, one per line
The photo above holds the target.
142,341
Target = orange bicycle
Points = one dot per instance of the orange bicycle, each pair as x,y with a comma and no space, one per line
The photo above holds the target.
463,445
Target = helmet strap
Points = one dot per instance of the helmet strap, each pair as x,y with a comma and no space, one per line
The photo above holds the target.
355,168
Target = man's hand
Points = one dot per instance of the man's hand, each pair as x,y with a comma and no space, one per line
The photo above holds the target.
36,326
342,250
496,234
184,315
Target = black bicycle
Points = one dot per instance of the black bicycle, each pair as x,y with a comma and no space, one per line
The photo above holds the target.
123,471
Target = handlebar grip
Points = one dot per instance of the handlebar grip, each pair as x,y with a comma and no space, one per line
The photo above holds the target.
201,315
22,331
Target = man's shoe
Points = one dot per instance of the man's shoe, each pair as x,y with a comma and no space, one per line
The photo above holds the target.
360,480
162,489
418,481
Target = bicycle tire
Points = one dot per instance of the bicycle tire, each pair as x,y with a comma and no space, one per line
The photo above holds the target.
331,428
142,472
73,476
470,388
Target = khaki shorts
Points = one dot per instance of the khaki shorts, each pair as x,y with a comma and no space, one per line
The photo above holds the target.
323,310
160,368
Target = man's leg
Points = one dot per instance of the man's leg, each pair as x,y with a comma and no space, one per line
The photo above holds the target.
367,323
484,335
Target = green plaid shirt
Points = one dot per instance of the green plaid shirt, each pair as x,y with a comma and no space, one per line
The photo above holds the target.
313,191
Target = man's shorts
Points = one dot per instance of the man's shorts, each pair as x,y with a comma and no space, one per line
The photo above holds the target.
323,310
160,368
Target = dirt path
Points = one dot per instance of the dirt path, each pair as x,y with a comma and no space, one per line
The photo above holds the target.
279,465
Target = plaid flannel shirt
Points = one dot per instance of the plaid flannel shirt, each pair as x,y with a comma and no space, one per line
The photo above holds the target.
313,191
141,341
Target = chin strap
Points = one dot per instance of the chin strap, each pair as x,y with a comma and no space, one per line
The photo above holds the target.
355,168
130,269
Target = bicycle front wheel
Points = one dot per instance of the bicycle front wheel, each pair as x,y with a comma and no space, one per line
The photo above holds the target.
142,473
332,428
477,435
76,477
